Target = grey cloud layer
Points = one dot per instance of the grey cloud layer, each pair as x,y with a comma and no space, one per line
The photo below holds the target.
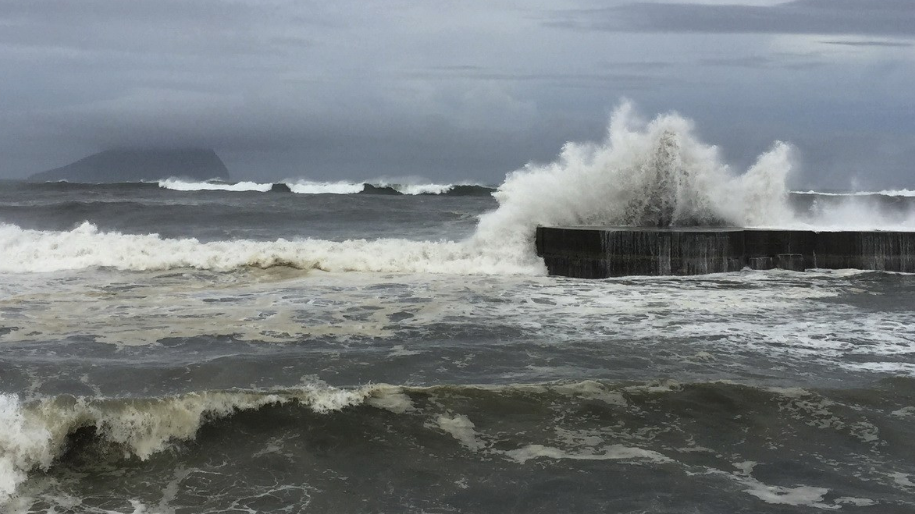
856,17
460,90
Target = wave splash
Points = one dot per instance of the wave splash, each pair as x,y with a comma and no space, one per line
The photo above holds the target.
642,174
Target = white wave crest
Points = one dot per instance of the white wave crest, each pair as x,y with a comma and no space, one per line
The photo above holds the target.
308,187
423,189
305,187
897,192
32,435
906,193
182,185
86,247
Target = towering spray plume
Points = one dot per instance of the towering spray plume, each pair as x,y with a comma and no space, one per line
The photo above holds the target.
643,174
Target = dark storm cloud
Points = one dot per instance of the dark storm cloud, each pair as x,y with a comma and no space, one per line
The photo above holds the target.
859,17
291,85
452,90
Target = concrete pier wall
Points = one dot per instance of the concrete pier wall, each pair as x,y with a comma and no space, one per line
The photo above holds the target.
600,252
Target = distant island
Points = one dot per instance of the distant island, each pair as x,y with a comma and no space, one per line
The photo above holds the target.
134,165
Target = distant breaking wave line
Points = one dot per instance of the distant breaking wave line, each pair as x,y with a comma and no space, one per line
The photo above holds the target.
180,185
906,193
339,188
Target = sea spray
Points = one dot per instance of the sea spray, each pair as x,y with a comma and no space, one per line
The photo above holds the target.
642,174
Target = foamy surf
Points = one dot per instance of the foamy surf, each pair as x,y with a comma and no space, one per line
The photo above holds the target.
86,246
313,431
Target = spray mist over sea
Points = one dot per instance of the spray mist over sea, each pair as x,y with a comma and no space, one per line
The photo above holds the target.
395,345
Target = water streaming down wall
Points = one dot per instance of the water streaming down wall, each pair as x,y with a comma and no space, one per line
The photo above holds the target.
596,252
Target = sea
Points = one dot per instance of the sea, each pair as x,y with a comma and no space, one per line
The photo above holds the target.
380,346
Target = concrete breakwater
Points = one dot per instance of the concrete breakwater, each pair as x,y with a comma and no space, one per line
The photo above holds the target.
600,252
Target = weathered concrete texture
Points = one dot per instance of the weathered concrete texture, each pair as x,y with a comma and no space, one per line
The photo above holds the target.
600,252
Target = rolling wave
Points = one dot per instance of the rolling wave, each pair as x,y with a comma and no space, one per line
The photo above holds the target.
700,427
86,246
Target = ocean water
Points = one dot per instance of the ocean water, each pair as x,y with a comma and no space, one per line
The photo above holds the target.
209,347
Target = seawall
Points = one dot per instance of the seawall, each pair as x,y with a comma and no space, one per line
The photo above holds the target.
601,252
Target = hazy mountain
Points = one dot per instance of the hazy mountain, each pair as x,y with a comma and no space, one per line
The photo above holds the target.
132,165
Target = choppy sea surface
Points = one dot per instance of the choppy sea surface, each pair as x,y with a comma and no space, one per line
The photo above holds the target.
246,351
180,347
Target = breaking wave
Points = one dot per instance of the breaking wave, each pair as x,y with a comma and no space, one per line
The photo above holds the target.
33,436
85,247
306,187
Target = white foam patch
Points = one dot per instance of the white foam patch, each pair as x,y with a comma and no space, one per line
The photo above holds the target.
611,452
461,428
592,390
423,189
391,399
306,187
777,495
905,412
903,479
857,502
854,212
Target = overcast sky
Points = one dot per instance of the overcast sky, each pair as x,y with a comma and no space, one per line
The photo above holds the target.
455,90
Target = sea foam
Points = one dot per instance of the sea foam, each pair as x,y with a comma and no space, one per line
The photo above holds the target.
86,246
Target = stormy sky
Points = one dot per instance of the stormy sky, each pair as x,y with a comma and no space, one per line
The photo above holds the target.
455,90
